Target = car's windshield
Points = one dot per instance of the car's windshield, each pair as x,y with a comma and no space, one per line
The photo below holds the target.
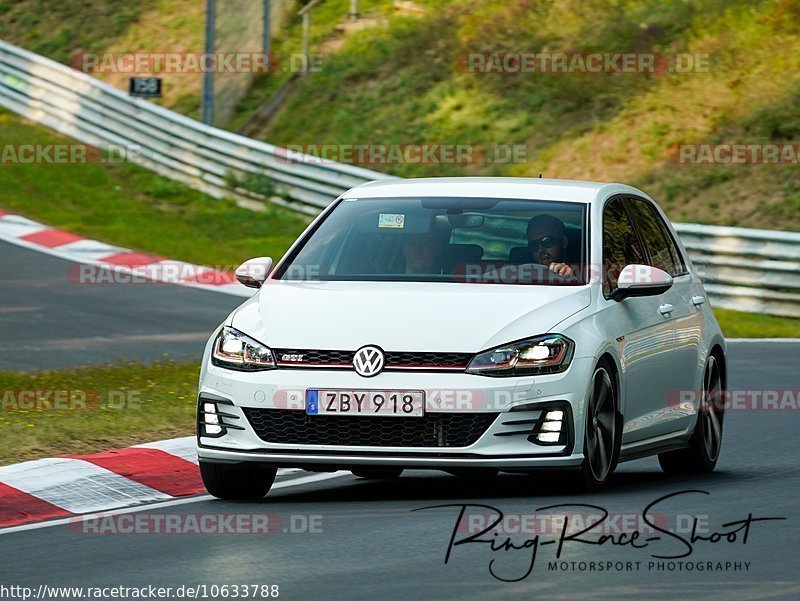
472,240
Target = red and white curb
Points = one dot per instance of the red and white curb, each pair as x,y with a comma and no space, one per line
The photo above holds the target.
26,233
67,487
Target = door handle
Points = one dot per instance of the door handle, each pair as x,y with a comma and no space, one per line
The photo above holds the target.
665,309
698,300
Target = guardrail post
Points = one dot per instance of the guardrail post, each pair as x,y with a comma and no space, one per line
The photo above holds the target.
265,25
306,35
305,12
208,75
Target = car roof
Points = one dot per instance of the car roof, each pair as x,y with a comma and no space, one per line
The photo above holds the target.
491,187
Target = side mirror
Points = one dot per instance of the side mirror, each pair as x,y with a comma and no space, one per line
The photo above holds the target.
641,280
253,273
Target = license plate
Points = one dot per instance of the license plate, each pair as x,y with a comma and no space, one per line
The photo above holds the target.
398,403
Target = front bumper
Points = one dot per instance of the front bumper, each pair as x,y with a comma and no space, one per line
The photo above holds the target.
504,445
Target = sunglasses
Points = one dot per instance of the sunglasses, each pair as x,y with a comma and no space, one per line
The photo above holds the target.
547,242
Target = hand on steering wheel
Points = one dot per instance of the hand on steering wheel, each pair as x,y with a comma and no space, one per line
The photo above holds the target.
562,269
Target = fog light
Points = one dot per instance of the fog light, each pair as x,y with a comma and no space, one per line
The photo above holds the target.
552,427
210,420
216,416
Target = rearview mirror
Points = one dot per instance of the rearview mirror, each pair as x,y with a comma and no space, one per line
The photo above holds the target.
641,280
253,273
460,220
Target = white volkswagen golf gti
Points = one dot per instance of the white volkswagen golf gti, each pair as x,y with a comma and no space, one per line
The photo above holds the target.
469,325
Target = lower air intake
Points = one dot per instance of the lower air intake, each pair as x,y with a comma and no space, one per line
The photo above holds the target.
432,430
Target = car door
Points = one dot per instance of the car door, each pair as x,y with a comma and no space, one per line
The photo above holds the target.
685,314
645,335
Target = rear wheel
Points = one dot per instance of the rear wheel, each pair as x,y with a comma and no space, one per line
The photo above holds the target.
706,440
237,482
602,433
377,473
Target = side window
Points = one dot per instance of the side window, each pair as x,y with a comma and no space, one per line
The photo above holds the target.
680,265
655,236
620,245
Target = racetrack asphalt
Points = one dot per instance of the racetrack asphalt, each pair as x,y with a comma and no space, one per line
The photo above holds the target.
49,322
367,542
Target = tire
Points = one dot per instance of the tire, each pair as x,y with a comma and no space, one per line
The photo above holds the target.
237,482
602,432
377,473
706,441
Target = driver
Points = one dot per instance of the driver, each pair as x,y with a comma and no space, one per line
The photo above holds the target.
548,242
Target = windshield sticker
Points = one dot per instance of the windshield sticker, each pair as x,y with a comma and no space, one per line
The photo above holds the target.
392,220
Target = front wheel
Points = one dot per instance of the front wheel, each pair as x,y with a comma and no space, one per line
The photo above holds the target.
237,482
704,445
602,434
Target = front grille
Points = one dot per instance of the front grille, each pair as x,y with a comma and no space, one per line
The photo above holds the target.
460,360
394,360
315,357
288,426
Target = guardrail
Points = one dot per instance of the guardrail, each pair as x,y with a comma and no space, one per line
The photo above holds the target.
746,270
202,156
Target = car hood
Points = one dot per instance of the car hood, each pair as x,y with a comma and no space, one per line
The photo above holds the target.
402,316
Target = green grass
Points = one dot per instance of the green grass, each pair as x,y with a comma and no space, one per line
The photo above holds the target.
288,43
124,405
736,324
130,206
398,81
62,30
57,29
402,84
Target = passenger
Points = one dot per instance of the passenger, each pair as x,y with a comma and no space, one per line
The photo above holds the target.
423,254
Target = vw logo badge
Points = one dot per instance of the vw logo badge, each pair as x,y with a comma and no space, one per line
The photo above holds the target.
368,361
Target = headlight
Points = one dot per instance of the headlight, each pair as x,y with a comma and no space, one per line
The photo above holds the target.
548,354
235,350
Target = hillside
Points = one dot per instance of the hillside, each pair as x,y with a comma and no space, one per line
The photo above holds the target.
403,82
64,31
398,78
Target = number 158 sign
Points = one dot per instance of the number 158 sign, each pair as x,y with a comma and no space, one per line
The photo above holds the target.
145,87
